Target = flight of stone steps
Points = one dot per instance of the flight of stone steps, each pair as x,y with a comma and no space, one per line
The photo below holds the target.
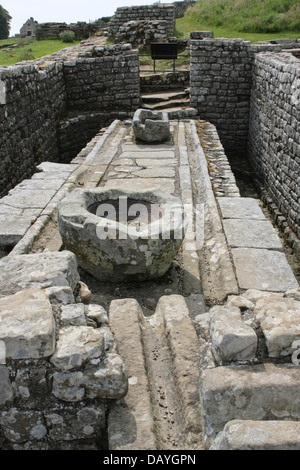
166,100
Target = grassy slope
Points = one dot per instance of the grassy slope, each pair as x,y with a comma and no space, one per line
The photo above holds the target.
38,48
255,20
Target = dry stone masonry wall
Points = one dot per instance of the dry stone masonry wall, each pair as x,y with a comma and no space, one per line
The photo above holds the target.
160,12
40,103
32,99
274,137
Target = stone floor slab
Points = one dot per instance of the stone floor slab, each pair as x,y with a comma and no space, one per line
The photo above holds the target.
165,184
13,228
264,270
248,233
240,208
26,198
154,154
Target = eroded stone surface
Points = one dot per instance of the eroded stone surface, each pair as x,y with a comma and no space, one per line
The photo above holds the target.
258,435
41,270
76,345
27,325
232,339
263,270
258,392
279,318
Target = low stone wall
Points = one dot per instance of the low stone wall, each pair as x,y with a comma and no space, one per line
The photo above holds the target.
142,33
32,100
81,28
274,136
164,81
181,7
153,12
104,79
36,100
58,365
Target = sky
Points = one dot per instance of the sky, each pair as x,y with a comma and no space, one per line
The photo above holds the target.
64,11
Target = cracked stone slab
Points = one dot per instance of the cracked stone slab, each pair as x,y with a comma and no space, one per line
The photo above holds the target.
40,270
146,148
148,163
261,269
257,392
27,325
165,184
240,208
258,435
154,154
248,233
13,228
26,198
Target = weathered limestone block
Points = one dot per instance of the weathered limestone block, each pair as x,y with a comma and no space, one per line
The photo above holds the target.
258,392
72,315
258,435
263,269
6,390
21,426
41,270
27,325
105,379
98,314
71,424
279,318
232,339
77,345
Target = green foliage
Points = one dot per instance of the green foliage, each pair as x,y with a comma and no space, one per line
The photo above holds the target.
67,36
25,54
4,23
255,16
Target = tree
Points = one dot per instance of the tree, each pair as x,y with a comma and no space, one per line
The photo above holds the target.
4,23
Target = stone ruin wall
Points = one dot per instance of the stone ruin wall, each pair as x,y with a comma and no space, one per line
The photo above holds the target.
43,104
81,29
162,12
33,98
251,94
274,136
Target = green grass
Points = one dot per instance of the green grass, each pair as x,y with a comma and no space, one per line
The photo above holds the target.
254,20
31,49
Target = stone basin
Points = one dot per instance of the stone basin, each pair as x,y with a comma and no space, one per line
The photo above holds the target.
149,126
121,235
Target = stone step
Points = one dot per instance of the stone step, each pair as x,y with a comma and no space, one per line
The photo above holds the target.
165,96
259,392
167,104
258,435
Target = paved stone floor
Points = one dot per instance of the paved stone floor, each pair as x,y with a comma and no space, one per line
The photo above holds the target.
207,348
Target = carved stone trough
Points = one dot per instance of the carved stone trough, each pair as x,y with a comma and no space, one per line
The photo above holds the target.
121,235
149,126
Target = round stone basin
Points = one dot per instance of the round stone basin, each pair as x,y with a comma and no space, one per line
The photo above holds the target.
121,235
